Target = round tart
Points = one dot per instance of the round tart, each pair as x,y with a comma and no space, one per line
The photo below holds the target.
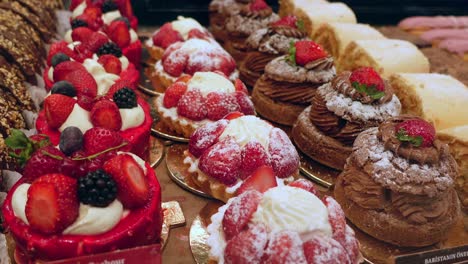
204,98
291,81
340,110
238,153
189,57
276,227
171,32
398,184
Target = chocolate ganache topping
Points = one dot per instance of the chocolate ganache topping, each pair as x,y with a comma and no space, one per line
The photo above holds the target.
246,21
274,40
378,177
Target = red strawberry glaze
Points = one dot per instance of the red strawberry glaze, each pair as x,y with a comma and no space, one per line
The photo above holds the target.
141,226
137,137
133,53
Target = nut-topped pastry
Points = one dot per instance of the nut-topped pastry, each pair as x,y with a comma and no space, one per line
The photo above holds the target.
340,110
398,183
266,44
291,81
250,18
220,10
237,153
284,224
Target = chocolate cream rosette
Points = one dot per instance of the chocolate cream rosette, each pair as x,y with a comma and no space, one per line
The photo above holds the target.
351,103
266,44
291,81
219,11
250,18
398,184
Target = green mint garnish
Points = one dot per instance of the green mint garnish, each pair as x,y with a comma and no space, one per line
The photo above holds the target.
404,137
22,147
372,90
300,25
292,54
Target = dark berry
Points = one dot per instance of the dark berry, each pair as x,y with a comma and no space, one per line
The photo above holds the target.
110,48
63,87
71,140
109,6
124,19
97,188
59,58
125,98
76,23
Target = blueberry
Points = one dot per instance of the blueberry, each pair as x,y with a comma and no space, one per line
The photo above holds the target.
76,23
71,140
124,19
59,58
63,87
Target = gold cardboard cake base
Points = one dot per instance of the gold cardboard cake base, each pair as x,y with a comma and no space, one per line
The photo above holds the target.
317,172
156,152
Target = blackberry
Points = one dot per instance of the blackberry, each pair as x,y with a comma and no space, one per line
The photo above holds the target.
76,23
63,87
124,19
109,6
125,98
97,188
110,48
58,58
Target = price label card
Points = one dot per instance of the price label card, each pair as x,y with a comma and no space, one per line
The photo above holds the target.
440,256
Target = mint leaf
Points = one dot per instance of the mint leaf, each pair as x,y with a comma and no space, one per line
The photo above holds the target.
404,137
17,139
300,25
292,54
372,90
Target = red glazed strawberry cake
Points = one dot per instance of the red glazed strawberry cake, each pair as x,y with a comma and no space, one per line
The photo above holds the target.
171,32
238,153
189,57
69,203
285,224
206,97
111,17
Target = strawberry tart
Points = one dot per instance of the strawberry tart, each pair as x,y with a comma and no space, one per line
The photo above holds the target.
238,153
266,44
291,81
285,224
111,17
252,17
206,97
340,110
191,56
398,183
69,203
171,32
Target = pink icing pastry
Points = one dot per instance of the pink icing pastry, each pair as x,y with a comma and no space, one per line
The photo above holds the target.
442,34
434,22
455,45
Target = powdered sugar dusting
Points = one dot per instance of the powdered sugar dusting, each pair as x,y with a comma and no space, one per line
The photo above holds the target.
283,154
175,117
345,107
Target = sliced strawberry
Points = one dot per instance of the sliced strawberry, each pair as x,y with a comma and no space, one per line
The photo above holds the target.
171,49
240,86
175,63
288,21
233,115
132,185
218,105
307,51
111,63
322,249
247,247
417,132
197,33
83,82
205,136
166,36
43,161
95,41
222,161
81,34
118,32
258,5
261,180
351,245
98,139
239,213
284,247
63,69
86,102
105,113
57,108
192,105
336,217
254,156
283,155
52,203
56,47
306,185
245,104
119,84
173,94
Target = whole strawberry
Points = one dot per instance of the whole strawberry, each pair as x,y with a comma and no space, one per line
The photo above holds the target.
98,139
417,132
166,35
305,51
258,5
368,81
288,21
43,161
